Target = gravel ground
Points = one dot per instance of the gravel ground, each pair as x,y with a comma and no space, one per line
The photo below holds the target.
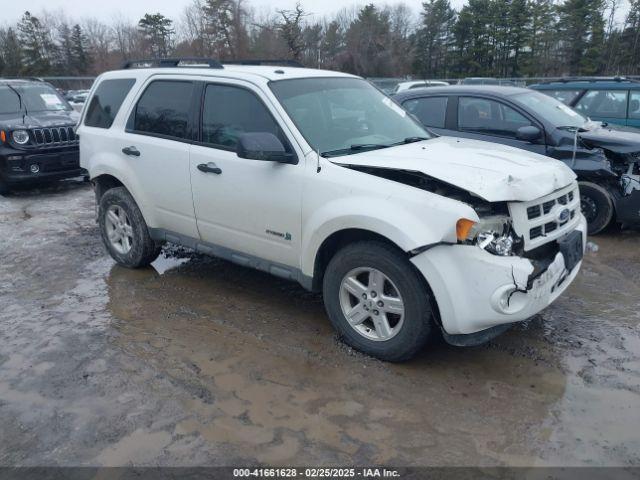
200,362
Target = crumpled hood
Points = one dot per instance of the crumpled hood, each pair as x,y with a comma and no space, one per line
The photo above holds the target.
38,119
488,170
614,138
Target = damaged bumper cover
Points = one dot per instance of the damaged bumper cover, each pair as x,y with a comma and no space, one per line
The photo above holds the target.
476,291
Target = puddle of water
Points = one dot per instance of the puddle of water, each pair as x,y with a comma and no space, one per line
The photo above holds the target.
257,368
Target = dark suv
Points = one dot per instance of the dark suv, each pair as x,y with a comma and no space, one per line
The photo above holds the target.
605,158
37,138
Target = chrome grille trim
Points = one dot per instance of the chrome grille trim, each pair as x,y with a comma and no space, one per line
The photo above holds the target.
54,136
539,222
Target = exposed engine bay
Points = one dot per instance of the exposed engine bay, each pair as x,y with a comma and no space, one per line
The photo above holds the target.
494,233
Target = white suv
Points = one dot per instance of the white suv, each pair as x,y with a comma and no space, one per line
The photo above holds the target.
318,177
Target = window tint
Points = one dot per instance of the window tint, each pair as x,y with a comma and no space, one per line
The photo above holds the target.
164,109
634,105
565,96
489,117
106,102
430,111
603,103
231,111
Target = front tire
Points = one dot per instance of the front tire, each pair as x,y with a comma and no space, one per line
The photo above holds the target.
124,231
597,206
377,301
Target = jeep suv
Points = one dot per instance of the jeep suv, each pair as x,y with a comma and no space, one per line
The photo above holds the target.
37,138
318,177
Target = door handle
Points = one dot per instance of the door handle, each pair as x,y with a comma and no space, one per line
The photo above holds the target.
131,151
209,168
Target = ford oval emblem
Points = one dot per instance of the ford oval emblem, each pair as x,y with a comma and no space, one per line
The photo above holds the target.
564,215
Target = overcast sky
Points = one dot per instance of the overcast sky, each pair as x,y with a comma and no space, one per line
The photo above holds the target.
134,9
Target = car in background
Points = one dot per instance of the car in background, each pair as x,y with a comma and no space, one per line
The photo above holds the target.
402,86
486,81
614,100
37,138
606,159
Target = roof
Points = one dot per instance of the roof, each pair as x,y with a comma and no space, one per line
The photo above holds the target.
18,81
606,83
495,90
261,74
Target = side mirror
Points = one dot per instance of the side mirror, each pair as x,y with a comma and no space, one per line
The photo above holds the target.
263,146
528,133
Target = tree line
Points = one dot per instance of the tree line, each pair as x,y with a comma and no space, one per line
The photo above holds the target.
505,38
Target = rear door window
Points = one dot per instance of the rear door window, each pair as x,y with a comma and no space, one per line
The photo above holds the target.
232,111
489,117
106,102
431,111
164,110
604,103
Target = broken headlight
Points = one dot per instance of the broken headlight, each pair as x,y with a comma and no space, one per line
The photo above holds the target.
493,234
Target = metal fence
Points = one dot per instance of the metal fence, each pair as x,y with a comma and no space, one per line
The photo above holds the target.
385,83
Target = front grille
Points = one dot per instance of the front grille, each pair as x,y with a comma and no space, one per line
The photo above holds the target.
54,136
542,220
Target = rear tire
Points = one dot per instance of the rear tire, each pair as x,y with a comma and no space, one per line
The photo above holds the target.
124,231
377,287
597,206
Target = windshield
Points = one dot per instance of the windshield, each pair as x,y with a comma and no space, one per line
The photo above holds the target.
35,98
341,116
552,110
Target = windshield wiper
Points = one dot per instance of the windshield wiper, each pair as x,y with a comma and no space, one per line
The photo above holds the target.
411,140
358,147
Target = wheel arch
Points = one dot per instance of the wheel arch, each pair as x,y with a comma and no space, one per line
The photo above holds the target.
107,179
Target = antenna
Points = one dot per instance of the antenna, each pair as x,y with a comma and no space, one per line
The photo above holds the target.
318,167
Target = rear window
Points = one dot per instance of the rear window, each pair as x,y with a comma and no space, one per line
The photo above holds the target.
430,111
106,102
164,109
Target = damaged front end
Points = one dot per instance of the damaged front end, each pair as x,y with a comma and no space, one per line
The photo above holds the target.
511,262
619,152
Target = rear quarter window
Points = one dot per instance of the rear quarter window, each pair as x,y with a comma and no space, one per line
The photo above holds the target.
431,111
106,102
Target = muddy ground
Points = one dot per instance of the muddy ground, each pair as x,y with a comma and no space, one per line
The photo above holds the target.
201,362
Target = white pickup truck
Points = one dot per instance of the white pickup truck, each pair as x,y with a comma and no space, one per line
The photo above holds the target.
318,177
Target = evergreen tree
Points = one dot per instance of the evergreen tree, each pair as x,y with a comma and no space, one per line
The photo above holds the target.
581,28
80,61
367,40
542,37
38,50
474,38
226,29
157,31
435,39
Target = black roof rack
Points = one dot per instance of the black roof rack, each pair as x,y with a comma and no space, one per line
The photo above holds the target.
591,79
172,63
273,63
